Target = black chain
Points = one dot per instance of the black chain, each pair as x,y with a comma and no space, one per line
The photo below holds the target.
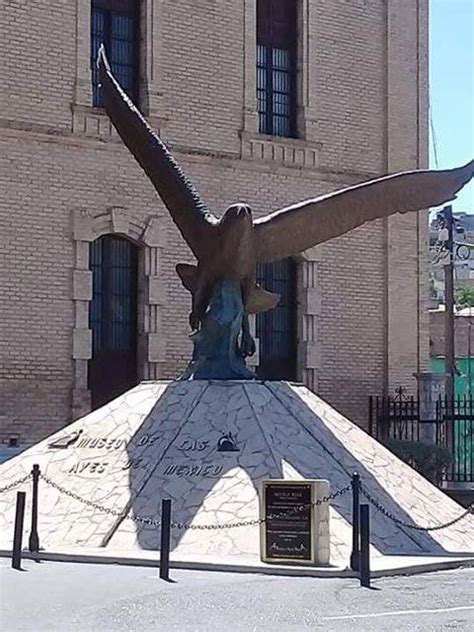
14,484
142,520
287,514
85,501
402,523
182,525
94,505
244,523
316,503
213,527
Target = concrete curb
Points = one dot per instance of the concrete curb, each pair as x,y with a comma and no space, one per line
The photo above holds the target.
320,572
428,567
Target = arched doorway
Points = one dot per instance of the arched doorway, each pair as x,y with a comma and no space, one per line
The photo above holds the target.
113,318
276,329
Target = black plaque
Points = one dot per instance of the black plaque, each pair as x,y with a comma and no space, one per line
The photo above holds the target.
288,527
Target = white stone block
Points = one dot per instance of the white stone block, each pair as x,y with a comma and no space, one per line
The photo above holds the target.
310,352
156,348
82,344
155,233
82,285
83,225
156,290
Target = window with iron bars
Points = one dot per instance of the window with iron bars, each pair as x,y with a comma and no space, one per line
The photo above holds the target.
115,23
113,308
276,329
276,66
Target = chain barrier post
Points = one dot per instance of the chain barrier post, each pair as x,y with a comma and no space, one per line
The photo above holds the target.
165,539
18,532
355,554
364,546
33,542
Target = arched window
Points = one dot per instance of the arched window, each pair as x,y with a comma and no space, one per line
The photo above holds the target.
113,318
276,329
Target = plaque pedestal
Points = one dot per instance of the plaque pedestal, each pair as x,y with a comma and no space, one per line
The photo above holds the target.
295,529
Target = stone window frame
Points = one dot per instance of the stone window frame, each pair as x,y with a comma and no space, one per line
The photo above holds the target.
309,308
304,150
150,237
92,121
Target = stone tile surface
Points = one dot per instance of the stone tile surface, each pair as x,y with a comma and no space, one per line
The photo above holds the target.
207,445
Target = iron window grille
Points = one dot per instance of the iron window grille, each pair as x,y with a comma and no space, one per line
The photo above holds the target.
115,23
276,67
113,308
276,329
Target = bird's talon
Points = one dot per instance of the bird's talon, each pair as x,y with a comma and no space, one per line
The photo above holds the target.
247,345
194,321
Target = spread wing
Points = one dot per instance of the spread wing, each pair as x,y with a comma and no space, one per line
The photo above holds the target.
296,228
188,211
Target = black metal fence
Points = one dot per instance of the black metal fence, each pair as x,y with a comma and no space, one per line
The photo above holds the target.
398,418
455,431
394,418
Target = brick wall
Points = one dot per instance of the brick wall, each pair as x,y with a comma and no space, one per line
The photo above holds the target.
364,114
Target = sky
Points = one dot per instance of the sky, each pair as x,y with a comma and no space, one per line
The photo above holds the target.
452,89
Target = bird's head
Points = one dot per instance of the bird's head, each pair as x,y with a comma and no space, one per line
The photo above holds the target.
237,213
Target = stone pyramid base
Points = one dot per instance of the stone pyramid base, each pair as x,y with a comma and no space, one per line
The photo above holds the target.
207,445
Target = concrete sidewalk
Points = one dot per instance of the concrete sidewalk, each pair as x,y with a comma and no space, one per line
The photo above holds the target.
381,566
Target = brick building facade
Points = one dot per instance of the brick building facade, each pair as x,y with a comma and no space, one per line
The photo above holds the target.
360,111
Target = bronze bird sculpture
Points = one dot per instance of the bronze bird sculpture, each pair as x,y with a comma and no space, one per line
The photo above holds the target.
229,248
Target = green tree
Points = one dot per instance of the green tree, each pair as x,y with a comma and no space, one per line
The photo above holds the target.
464,297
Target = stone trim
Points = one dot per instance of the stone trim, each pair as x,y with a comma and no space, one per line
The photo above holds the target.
307,90
304,150
83,87
309,343
151,57
250,124
151,347
290,152
92,123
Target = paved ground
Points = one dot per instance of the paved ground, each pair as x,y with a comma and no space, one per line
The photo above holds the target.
80,597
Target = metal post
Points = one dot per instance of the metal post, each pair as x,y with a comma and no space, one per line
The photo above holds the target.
371,416
449,352
33,542
364,546
469,374
18,533
165,539
355,554
385,419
